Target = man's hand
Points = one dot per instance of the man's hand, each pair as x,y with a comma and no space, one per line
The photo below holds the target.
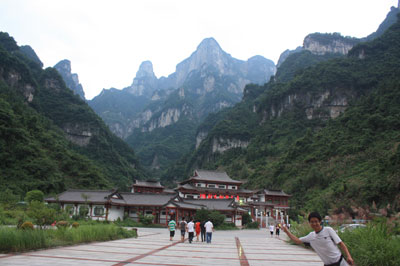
350,260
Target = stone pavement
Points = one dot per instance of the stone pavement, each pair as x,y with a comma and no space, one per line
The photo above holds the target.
152,247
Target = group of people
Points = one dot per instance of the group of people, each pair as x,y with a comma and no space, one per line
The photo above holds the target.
203,229
324,240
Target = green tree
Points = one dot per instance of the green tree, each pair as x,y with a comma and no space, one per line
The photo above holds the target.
41,214
34,195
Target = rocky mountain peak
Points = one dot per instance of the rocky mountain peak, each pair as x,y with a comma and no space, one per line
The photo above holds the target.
64,66
208,44
71,79
145,82
320,44
145,70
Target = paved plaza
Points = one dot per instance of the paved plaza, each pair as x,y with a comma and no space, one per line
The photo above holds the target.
152,247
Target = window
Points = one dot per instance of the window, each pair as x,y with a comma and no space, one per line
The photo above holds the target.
198,185
98,211
149,212
221,186
233,187
163,213
133,211
211,186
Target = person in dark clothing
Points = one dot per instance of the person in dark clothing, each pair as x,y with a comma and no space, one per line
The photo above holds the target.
183,227
203,231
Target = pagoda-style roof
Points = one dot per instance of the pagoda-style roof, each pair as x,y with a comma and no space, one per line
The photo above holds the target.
217,177
83,196
270,192
192,189
139,199
112,197
148,183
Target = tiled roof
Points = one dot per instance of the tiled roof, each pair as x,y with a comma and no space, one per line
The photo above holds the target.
147,199
212,204
77,195
214,190
273,192
149,183
214,176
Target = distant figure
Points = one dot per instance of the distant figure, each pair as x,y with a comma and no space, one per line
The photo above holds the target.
203,231
277,230
182,226
190,229
271,229
171,227
324,241
209,230
198,229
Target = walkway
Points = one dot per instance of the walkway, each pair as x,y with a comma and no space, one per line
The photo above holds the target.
152,247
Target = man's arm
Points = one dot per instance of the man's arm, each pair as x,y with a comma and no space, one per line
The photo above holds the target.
292,236
344,249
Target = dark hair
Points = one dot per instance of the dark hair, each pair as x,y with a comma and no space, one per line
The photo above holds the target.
314,215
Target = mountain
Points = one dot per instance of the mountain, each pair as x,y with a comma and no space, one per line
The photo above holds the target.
327,135
50,139
71,80
158,117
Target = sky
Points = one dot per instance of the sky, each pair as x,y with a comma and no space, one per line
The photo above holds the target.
106,41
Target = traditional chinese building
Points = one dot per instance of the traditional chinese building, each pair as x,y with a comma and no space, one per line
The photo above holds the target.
212,190
213,185
149,186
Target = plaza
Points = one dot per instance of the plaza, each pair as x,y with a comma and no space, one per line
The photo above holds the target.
152,247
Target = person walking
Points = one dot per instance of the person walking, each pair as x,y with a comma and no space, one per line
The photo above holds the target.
197,227
190,229
271,229
277,230
203,231
171,227
209,230
183,227
324,241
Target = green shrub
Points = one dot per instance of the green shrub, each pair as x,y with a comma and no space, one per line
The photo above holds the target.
34,195
253,225
146,219
246,218
204,215
226,226
27,226
373,245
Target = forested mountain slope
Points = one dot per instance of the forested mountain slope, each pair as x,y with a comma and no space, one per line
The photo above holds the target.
329,136
50,139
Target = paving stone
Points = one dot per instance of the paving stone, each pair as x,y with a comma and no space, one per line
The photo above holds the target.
152,247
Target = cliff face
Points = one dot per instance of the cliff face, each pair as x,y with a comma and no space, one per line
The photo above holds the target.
321,44
208,75
327,104
71,79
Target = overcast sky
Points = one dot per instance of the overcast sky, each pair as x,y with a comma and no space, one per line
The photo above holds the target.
106,41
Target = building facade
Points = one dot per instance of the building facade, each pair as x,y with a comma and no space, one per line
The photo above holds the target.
212,190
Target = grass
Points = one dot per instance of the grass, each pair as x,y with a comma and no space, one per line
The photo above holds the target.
376,244
373,245
15,240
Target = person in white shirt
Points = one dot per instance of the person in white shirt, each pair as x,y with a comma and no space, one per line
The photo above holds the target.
209,229
190,229
271,229
324,241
